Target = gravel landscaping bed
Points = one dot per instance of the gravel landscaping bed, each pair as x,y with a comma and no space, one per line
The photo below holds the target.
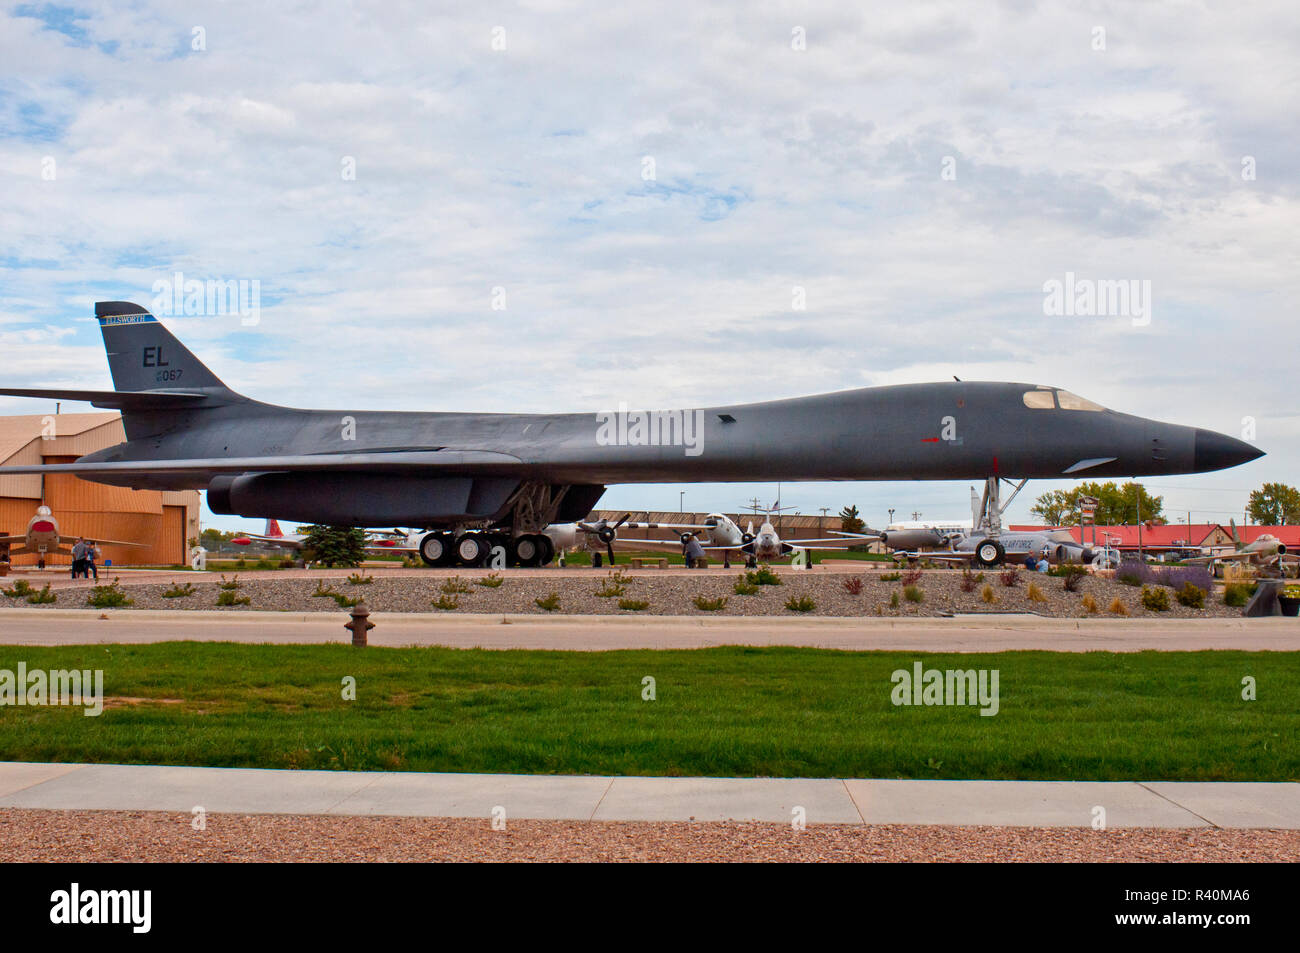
98,836
665,595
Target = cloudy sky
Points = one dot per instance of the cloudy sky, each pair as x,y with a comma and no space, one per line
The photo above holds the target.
643,188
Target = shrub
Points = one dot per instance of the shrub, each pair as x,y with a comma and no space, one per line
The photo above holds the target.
1035,593
446,603
1191,595
356,579
710,605
286,563
968,580
800,604
42,598
633,605
179,592
911,577
988,595
1009,577
1073,577
890,577
1089,603
227,597
1236,594
21,589
454,586
346,602
744,587
322,590
1179,577
853,585
492,580
550,603
913,594
1134,573
109,597
1117,606
763,576
1155,598
893,599
232,585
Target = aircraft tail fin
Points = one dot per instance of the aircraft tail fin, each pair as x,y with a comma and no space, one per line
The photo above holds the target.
144,356
272,529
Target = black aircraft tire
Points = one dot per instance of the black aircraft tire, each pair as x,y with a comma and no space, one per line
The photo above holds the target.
472,549
547,546
435,549
526,550
990,553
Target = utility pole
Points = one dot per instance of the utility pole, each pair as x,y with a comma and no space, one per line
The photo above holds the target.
681,501
821,524
891,516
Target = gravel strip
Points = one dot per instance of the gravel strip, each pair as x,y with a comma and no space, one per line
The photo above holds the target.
30,835
666,594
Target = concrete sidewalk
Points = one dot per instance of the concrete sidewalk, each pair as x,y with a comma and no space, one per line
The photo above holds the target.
983,633
548,797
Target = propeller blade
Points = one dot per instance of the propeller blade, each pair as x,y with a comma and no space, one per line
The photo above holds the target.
610,547
626,517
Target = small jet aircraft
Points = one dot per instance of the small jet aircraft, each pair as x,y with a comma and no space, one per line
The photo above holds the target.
43,538
1266,552
1058,546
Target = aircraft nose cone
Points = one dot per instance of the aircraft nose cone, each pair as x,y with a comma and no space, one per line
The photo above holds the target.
1215,451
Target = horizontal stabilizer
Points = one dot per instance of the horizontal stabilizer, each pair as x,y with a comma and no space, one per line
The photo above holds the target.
114,399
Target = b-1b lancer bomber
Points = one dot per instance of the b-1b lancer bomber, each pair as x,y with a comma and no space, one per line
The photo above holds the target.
476,481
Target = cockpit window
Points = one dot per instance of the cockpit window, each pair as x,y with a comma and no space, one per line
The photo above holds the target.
1070,401
1039,399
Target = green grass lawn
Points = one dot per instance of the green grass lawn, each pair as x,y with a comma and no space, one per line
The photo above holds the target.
720,712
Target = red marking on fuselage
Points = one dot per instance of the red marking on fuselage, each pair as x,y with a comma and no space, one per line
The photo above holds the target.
995,464
42,526
929,440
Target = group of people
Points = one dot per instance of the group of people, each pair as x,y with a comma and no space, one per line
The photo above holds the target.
85,557
1037,563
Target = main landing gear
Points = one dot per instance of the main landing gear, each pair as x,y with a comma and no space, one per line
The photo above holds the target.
476,549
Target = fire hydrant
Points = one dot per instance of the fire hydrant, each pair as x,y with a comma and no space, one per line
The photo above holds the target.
360,623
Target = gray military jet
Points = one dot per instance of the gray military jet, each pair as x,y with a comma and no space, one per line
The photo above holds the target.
472,478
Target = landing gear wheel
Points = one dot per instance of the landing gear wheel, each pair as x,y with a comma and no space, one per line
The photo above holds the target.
472,549
435,549
527,550
533,549
990,553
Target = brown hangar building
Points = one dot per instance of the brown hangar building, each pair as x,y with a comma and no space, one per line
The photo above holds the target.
163,521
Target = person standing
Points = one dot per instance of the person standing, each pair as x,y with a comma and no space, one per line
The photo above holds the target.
694,553
92,558
78,556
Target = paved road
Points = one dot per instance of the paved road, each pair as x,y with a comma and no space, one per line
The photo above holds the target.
818,800
595,633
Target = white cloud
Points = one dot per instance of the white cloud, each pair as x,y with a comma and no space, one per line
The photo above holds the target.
775,167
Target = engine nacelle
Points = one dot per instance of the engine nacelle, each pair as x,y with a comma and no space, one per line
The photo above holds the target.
361,499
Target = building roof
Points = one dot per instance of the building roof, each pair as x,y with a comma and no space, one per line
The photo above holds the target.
18,431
